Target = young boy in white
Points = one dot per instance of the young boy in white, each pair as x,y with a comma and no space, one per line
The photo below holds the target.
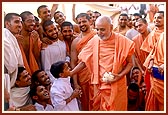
63,97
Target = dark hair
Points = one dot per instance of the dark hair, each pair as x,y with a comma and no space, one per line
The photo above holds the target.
162,12
83,15
33,91
123,14
42,6
66,23
134,87
34,77
56,13
47,23
137,14
143,20
135,68
20,70
9,16
57,68
24,14
97,12
36,18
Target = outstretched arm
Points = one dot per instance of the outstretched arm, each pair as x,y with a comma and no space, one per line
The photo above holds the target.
53,9
73,13
79,67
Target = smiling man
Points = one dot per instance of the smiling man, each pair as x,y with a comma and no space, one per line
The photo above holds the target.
139,55
29,42
53,52
78,44
106,52
20,92
41,97
150,41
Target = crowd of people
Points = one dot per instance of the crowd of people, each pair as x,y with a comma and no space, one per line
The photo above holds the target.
59,66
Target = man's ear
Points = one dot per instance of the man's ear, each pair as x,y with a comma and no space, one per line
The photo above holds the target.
60,74
90,22
39,16
111,26
35,97
7,24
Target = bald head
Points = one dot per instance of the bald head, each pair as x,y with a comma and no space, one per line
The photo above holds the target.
103,19
104,27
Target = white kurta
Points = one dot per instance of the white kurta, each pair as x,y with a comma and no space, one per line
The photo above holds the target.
61,90
40,107
12,55
131,33
53,53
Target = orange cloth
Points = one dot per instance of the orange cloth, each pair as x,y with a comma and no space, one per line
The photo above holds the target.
155,99
31,64
103,56
84,75
139,54
25,60
150,41
147,46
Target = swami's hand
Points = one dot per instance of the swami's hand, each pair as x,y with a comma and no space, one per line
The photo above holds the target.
109,77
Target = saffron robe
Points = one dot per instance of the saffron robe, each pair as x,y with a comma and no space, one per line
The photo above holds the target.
139,54
155,99
32,61
103,56
84,75
147,46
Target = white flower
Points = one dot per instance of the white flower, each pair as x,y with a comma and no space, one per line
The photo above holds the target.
108,77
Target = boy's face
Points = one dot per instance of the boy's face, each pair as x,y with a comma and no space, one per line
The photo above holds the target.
37,25
66,71
136,75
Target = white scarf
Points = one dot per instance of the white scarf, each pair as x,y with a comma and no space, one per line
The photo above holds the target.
20,96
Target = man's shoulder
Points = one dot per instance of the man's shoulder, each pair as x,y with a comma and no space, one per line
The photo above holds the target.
122,38
76,39
136,37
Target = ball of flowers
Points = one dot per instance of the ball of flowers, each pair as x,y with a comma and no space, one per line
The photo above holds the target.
107,77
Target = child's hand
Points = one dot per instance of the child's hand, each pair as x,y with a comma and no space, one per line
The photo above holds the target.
76,93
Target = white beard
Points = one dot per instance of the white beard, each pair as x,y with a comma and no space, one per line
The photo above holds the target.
105,38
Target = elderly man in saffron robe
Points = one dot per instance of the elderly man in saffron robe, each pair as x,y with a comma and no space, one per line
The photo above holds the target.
107,52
